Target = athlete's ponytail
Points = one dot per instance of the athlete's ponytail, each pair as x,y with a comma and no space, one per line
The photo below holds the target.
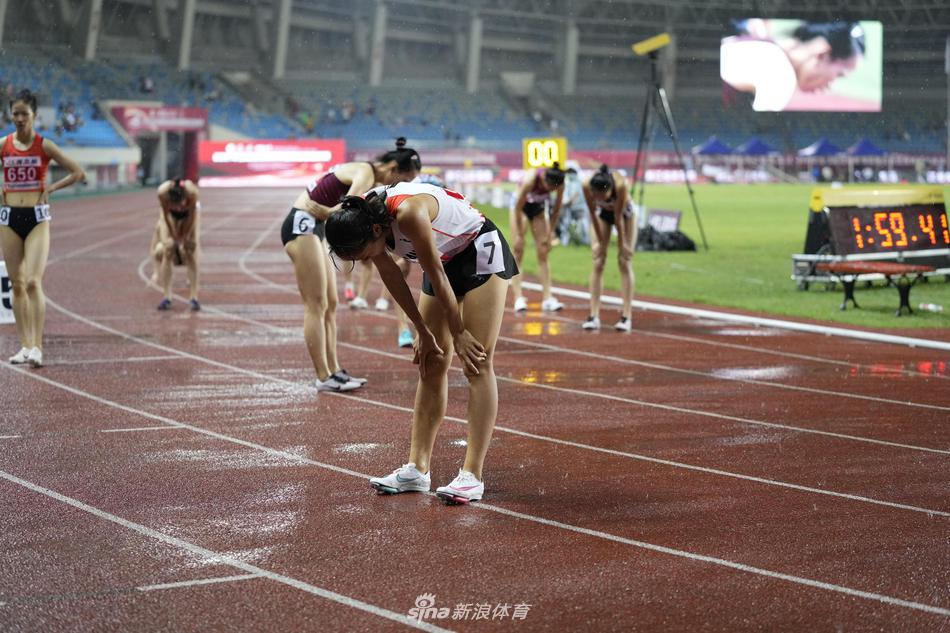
350,230
602,180
407,159
177,192
553,175
26,97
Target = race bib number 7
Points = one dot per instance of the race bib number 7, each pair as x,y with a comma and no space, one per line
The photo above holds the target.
42,212
304,223
490,258
4,216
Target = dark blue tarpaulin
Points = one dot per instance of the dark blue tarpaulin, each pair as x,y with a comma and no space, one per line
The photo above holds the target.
865,147
755,147
712,146
821,147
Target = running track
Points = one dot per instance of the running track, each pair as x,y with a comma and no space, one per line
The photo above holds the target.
172,471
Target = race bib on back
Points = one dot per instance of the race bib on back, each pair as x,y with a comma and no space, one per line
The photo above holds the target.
304,223
489,255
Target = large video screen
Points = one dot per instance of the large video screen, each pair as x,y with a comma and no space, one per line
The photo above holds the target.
796,65
260,163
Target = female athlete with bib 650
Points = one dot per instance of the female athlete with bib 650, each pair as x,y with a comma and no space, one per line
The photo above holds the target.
467,265
303,237
24,221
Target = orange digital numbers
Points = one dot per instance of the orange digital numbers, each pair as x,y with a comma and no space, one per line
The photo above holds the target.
879,219
943,225
896,220
858,238
926,223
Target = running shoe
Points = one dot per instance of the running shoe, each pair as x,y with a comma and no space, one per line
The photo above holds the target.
348,292
592,323
195,306
345,375
551,305
623,325
521,304
463,489
20,357
358,303
406,478
166,304
405,338
333,383
382,304
35,357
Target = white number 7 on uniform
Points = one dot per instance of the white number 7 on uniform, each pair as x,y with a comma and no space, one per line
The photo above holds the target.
487,246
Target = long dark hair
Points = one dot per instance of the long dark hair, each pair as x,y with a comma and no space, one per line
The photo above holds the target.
350,229
177,192
26,97
407,159
845,38
603,180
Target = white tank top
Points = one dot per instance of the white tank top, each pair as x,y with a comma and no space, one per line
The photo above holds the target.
455,226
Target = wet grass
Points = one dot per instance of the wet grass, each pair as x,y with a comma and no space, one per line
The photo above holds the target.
752,231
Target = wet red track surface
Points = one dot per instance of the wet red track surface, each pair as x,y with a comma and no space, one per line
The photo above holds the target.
691,475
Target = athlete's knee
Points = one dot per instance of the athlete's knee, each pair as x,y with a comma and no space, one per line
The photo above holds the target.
599,265
623,261
33,285
485,372
190,247
517,247
18,285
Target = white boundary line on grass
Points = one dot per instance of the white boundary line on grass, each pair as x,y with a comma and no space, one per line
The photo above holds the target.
811,328
800,580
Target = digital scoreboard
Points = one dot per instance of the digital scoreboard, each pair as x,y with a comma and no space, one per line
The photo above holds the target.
902,223
882,220
544,152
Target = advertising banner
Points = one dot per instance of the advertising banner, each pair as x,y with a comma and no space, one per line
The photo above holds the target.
151,119
265,163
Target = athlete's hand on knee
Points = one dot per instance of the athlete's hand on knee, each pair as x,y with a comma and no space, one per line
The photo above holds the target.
426,348
469,351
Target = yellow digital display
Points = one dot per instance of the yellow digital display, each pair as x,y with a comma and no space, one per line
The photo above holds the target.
544,152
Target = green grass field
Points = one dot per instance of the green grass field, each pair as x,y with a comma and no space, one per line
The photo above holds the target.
752,230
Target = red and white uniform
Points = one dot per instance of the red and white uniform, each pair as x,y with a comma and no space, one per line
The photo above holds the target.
24,170
455,226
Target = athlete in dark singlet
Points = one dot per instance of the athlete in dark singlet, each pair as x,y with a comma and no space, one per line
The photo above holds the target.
608,200
530,208
176,238
303,237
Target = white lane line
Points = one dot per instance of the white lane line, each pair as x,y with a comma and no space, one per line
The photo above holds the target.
644,403
810,328
118,361
621,360
705,374
9,437
137,429
222,558
293,457
197,583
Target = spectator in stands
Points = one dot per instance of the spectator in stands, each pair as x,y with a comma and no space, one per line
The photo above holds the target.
608,200
176,239
302,235
575,219
773,66
25,218
146,84
531,208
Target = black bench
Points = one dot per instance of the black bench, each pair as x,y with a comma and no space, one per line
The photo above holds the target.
906,276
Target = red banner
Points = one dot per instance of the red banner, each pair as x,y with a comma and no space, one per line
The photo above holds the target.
144,119
260,163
